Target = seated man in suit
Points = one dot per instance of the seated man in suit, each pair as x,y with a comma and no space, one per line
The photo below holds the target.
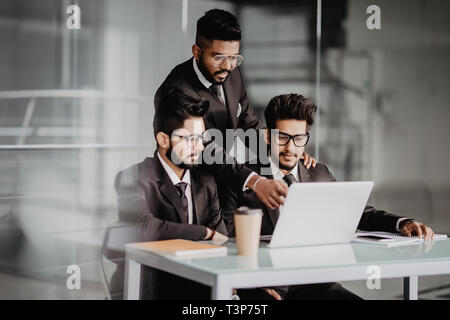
289,118
168,196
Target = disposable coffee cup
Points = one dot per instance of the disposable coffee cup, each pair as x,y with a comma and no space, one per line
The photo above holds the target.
247,226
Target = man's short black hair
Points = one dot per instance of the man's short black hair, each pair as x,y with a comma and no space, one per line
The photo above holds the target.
289,106
218,24
175,108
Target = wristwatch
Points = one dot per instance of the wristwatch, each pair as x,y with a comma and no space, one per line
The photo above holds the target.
403,222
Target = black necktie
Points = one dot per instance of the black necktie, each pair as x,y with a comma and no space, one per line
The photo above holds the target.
181,187
289,178
216,89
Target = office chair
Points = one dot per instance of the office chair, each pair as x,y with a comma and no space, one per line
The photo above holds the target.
113,248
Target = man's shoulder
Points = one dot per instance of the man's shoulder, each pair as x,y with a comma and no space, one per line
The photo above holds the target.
179,74
179,78
320,167
319,173
147,162
136,172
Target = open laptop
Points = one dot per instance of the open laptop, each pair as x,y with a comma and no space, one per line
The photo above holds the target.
319,213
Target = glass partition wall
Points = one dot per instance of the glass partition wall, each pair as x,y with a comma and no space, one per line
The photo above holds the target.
77,105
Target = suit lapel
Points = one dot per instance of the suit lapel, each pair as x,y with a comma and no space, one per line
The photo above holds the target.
197,198
169,190
303,173
231,102
218,110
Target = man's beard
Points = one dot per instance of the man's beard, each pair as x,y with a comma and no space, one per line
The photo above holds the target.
206,73
280,165
284,167
177,161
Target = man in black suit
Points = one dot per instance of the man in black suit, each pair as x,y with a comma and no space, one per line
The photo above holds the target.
213,74
168,196
289,118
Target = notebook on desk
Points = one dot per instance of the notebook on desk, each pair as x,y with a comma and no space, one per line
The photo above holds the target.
181,248
389,239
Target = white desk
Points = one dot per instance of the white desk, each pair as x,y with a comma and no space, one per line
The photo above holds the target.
298,265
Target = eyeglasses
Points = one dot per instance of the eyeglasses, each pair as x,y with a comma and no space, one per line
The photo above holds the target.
235,60
192,139
282,139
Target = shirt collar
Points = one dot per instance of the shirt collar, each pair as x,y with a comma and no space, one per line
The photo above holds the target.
200,75
278,175
172,175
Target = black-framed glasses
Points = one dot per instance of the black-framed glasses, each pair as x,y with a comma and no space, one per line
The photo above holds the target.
282,138
193,139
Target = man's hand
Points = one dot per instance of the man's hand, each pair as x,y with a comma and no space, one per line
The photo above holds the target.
219,238
273,293
417,228
271,192
308,161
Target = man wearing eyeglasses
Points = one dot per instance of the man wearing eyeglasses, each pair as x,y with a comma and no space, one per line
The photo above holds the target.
213,74
289,118
168,196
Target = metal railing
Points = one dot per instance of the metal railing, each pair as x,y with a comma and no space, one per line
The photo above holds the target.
33,95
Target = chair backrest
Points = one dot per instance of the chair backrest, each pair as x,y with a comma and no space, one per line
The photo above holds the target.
113,248
116,236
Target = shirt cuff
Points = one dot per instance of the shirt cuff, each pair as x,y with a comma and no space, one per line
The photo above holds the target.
244,188
398,223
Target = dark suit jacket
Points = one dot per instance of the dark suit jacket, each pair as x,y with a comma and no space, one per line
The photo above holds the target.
146,195
148,200
371,219
219,116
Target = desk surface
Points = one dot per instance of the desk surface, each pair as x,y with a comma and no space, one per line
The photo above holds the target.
317,257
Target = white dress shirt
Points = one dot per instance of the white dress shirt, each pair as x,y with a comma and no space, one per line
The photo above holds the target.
186,178
278,175
205,81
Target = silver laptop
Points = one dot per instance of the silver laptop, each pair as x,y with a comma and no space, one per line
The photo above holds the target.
319,213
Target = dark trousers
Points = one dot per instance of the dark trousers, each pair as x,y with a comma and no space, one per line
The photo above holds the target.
165,286
160,285
320,291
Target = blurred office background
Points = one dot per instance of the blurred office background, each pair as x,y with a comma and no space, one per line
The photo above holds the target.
76,106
